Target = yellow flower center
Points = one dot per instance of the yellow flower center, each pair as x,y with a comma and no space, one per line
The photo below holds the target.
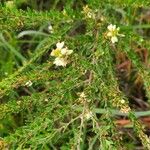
57,53
114,32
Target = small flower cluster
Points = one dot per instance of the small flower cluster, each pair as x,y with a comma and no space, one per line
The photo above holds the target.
88,114
125,109
61,53
88,12
82,95
113,32
119,103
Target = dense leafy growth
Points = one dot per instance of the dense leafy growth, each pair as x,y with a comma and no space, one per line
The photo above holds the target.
53,97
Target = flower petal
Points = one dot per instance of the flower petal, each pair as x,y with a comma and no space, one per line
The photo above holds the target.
109,34
65,51
69,52
114,39
60,62
111,27
53,53
121,35
60,45
114,27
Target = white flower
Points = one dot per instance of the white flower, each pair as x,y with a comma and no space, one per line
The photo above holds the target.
113,32
60,61
28,84
60,51
61,54
50,29
57,52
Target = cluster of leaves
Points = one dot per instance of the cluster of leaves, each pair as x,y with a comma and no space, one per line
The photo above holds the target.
52,113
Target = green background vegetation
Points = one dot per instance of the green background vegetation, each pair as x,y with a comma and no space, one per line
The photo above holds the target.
49,114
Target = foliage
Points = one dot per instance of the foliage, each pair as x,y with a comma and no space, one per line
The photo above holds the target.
44,106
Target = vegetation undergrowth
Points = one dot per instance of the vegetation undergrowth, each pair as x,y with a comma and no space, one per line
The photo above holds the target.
74,75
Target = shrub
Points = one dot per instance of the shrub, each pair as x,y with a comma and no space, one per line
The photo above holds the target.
69,95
